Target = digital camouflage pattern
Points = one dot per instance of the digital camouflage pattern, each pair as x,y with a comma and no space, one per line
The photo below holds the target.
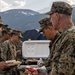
8,50
19,50
60,7
0,50
47,62
43,23
62,54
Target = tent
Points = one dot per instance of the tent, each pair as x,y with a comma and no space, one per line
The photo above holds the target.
33,35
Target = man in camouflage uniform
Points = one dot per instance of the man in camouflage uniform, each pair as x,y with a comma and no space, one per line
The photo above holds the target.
9,46
51,34
0,39
63,51
9,49
1,63
5,36
19,47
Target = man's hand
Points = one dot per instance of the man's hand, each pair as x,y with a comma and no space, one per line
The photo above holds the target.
3,65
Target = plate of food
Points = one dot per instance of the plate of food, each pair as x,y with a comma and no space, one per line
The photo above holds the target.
13,63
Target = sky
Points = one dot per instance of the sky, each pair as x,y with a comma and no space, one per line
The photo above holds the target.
35,5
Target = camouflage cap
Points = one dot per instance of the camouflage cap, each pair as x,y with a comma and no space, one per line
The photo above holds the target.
9,30
43,23
17,32
60,7
5,26
6,31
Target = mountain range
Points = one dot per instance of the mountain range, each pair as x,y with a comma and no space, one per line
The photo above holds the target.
44,10
25,19
22,19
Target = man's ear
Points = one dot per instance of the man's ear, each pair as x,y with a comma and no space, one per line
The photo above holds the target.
58,16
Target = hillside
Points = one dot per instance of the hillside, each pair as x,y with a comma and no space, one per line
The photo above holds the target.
23,19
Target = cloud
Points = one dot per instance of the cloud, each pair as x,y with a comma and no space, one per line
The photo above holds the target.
72,2
16,4
4,5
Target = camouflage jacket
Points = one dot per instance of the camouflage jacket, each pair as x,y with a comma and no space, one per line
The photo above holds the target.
0,46
19,50
0,50
63,53
8,51
47,62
